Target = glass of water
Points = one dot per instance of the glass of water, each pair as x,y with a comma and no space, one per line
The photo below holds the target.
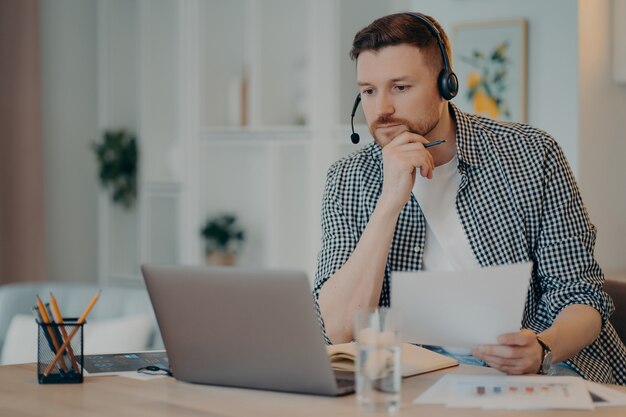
378,373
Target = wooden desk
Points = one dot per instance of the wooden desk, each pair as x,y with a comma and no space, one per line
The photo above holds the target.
22,396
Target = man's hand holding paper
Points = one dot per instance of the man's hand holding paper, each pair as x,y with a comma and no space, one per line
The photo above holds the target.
516,354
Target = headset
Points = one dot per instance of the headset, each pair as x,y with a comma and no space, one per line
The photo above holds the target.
447,82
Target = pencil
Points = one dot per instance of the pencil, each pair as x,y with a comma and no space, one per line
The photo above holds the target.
46,320
81,320
59,319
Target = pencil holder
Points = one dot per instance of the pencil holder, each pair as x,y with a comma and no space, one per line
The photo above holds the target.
67,366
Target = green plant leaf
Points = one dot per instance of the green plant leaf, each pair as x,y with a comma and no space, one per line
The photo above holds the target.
222,232
117,158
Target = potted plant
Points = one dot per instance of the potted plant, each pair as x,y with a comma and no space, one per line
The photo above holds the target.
223,238
117,158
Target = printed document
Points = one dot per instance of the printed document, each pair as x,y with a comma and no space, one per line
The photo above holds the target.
509,392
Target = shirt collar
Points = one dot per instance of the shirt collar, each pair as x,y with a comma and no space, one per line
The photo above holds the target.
467,134
376,152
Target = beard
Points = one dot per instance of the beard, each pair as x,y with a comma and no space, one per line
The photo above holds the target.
420,127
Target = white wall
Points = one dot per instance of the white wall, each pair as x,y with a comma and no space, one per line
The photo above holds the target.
69,107
602,125
552,94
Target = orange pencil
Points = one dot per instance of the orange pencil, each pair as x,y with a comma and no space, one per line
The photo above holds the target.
46,320
81,320
59,319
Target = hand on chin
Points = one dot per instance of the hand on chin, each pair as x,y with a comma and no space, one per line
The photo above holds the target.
384,135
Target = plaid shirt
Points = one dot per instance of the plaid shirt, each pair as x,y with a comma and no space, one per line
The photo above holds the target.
518,201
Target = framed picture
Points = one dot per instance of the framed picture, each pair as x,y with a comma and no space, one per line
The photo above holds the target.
489,59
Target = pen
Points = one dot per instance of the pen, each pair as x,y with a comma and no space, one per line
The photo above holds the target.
81,320
59,320
435,143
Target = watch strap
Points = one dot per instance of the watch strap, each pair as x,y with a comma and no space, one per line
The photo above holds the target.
546,352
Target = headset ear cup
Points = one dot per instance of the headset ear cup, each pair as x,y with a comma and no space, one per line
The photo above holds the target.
453,85
448,84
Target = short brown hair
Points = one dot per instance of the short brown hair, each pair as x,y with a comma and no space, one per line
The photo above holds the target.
402,28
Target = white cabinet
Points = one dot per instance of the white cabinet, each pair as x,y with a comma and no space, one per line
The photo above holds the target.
240,106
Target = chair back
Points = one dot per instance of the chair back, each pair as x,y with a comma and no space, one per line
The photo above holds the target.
616,288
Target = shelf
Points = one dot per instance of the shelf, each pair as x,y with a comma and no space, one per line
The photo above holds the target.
249,68
245,134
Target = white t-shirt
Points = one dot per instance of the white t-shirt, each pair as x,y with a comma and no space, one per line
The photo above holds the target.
446,247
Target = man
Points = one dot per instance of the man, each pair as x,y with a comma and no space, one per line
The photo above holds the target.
493,193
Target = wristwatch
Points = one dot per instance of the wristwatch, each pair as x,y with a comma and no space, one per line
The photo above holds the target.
546,361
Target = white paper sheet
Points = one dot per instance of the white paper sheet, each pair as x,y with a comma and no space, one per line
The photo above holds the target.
460,308
509,392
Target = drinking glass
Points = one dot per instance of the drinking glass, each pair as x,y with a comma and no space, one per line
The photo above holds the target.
378,373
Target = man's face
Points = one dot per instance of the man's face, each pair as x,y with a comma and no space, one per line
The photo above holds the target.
398,92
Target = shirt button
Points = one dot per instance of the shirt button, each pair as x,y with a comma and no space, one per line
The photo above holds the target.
417,248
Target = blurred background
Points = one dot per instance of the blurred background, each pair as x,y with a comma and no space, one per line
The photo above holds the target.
215,121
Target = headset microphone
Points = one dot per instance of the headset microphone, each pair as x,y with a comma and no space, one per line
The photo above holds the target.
354,137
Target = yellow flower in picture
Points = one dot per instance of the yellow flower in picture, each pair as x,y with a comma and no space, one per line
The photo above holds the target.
487,84
483,104
473,79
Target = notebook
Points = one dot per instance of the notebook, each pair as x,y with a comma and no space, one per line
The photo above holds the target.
242,328
416,360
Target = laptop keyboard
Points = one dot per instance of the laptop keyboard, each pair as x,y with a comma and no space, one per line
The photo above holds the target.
344,379
342,383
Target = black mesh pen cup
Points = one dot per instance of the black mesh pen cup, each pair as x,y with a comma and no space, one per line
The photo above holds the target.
60,361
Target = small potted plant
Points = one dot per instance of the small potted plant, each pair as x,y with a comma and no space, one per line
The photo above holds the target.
117,157
223,238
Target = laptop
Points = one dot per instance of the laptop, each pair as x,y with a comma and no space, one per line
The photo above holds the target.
242,328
